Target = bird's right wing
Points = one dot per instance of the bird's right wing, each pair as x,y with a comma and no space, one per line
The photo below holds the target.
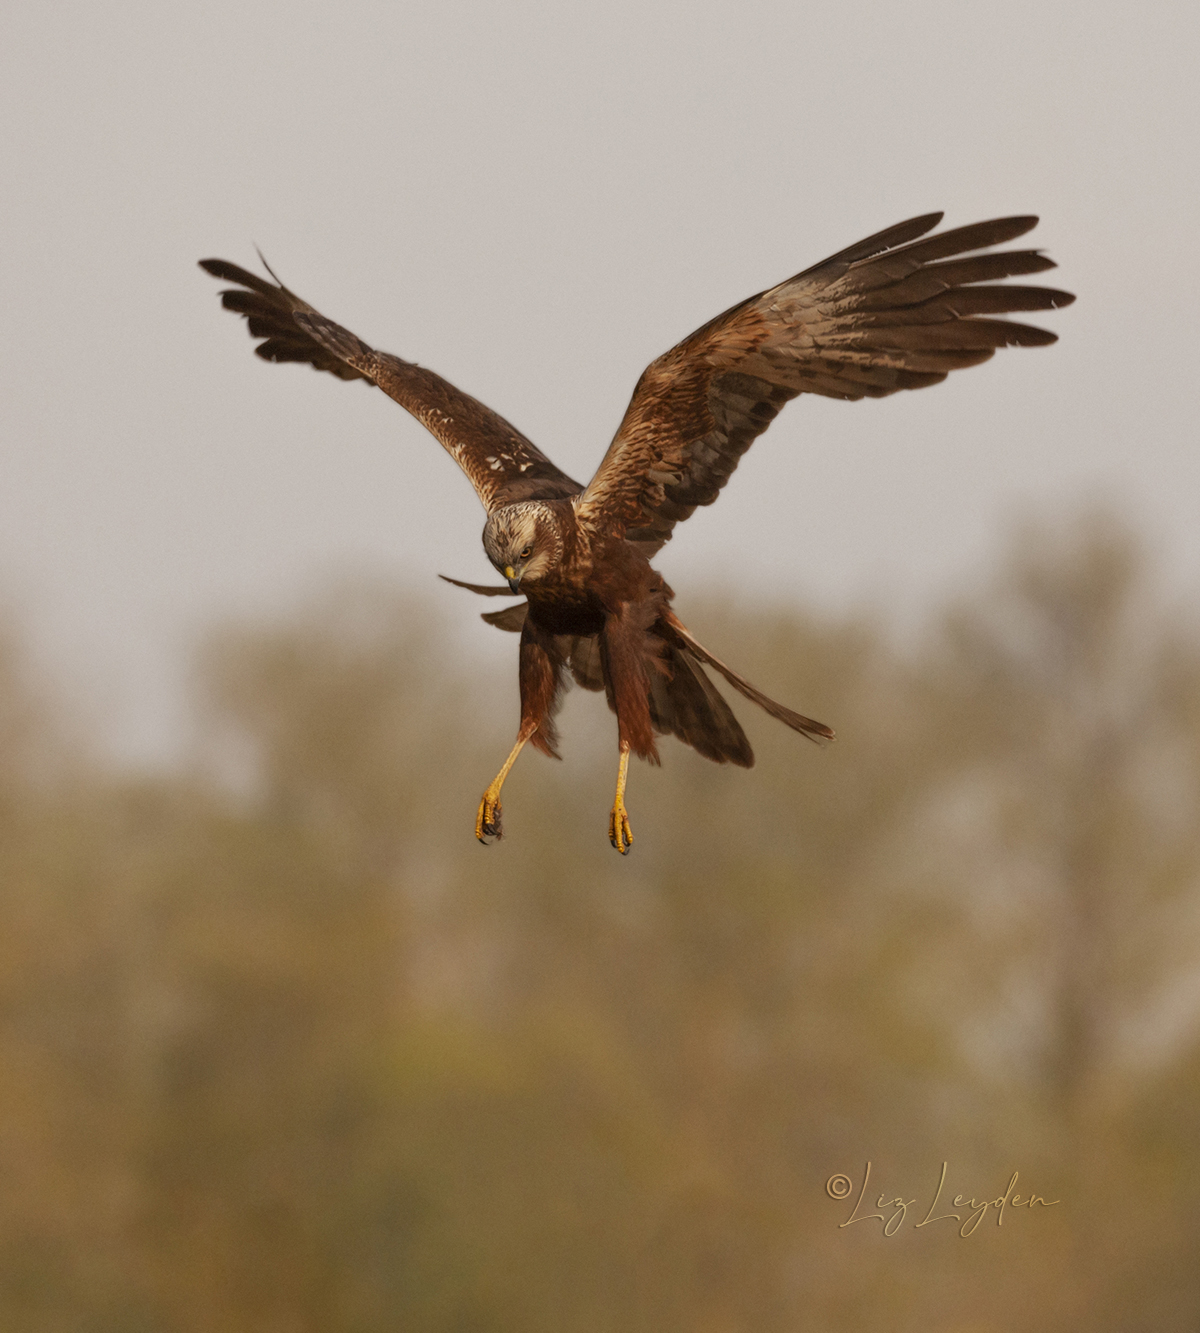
502,465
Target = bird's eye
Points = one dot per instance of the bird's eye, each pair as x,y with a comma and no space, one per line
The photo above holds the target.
526,553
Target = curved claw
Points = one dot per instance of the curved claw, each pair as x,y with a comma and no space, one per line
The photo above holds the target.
619,832
487,821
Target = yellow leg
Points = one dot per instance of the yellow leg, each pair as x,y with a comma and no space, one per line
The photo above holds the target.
487,821
619,832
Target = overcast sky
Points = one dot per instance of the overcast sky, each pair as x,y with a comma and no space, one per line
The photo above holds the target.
535,199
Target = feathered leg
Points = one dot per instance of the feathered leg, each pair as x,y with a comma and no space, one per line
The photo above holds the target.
630,657
540,673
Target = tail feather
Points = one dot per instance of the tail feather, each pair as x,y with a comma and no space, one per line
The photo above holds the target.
815,731
683,701
583,657
688,705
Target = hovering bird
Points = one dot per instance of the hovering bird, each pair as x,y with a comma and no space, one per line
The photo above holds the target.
892,312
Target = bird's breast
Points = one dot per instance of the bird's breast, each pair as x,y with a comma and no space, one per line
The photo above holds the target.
561,606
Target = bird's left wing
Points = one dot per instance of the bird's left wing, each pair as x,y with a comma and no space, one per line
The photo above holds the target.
499,461
483,589
889,313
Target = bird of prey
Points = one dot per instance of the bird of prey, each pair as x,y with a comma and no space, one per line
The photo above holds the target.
898,310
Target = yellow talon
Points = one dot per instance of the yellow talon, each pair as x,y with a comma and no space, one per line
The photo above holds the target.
619,832
487,821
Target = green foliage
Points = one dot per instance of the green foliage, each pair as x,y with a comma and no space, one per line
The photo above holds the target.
285,1049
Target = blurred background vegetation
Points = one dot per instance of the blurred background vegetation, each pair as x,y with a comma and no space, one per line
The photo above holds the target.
284,1049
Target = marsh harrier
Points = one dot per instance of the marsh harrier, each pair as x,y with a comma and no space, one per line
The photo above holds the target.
892,312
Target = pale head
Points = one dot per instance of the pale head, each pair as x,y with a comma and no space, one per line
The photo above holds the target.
522,541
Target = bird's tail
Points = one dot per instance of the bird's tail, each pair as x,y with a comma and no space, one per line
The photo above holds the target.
685,703
806,726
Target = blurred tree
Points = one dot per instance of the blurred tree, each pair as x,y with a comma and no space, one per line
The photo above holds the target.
284,1049
1070,817
67,1187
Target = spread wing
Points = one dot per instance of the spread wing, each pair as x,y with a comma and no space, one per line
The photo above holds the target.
889,313
500,462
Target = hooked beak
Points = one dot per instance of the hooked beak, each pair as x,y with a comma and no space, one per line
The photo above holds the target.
514,579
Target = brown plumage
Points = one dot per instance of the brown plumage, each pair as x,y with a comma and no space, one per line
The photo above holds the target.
892,312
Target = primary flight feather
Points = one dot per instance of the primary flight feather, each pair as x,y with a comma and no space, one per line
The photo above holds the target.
898,310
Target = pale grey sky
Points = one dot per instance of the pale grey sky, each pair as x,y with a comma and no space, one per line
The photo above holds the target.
535,199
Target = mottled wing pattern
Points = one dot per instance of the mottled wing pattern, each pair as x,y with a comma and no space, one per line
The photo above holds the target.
500,462
892,312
